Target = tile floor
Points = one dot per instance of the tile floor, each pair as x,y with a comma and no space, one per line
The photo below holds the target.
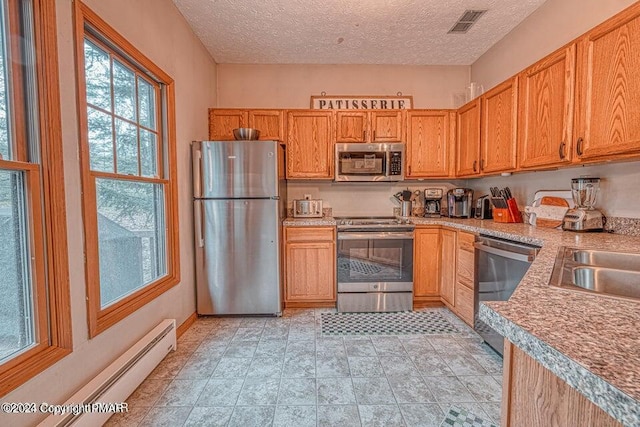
281,371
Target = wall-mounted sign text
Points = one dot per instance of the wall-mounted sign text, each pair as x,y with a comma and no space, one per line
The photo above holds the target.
331,102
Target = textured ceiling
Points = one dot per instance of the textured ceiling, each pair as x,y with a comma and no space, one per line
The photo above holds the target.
349,31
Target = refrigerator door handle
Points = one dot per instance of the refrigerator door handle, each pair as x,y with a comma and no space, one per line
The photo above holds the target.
199,225
197,174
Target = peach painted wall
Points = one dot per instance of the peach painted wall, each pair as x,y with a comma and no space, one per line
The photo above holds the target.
291,86
156,28
554,24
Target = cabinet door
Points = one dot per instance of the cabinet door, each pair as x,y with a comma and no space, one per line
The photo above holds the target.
310,271
610,89
468,139
546,99
534,396
351,126
448,267
309,145
426,252
223,122
386,126
428,143
499,123
270,123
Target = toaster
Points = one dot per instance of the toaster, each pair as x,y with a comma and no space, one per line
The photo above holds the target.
483,208
307,208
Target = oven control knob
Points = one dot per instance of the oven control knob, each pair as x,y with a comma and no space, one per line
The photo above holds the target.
375,286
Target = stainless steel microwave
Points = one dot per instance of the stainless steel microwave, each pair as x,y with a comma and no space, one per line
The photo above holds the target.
379,161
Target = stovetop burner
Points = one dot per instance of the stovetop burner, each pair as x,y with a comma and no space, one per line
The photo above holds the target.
379,222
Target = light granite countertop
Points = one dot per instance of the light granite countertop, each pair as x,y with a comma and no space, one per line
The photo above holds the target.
590,341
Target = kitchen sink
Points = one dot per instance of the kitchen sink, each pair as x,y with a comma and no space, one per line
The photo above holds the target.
608,273
617,260
622,283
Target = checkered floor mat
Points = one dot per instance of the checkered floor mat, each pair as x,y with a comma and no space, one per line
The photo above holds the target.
458,417
401,323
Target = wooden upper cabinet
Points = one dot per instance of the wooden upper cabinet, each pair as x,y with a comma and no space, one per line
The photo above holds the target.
352,126
386,126
309,144
426,276
429,143
546,107
223,122
369,126
468,139
609,75
499,125
448,267
270,123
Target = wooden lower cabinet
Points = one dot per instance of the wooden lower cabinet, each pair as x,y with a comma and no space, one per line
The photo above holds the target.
426,266
310,267
535,397
448,268
465,277
464,303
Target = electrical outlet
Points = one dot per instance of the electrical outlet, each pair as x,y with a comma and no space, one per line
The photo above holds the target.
307,196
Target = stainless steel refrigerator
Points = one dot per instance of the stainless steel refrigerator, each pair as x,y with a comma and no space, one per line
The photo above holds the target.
239,202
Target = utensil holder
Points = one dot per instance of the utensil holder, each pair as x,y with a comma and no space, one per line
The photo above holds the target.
406,208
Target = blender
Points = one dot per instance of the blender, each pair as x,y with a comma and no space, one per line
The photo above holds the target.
584,217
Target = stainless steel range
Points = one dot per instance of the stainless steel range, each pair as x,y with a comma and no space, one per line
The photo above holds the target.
375,264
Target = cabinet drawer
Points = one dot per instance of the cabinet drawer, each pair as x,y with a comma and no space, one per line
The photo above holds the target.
465,260
466,241
464,303
309,234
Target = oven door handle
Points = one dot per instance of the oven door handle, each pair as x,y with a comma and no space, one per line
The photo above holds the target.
374,236
505,254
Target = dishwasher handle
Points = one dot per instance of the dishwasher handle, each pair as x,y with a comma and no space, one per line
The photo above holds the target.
503,253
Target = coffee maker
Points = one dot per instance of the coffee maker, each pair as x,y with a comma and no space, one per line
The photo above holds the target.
459,201
432,202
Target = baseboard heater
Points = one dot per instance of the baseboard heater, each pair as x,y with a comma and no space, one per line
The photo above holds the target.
116,383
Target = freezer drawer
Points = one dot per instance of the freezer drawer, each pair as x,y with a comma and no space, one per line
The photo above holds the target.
238,267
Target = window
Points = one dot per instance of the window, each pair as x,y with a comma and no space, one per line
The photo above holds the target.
127,154
35,322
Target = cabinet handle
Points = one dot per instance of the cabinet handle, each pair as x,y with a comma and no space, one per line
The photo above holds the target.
374,135
364,136
475,165
561,150
481,164
579,147
409,170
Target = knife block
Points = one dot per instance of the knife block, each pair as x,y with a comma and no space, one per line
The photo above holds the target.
502,215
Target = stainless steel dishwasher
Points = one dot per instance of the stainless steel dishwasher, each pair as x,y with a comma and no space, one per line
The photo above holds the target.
500,266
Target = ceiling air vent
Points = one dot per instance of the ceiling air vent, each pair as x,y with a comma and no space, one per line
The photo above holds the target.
466,21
